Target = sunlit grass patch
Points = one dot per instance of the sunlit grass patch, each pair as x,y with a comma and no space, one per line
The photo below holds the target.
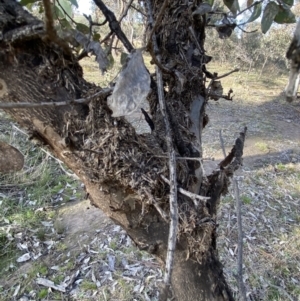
262,146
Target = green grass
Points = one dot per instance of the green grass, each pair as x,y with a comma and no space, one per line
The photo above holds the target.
27,197
88,285
246,199
43,293
262,146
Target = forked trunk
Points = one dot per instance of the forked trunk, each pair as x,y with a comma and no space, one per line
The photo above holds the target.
120,169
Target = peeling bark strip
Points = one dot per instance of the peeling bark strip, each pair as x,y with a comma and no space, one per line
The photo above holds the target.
123,172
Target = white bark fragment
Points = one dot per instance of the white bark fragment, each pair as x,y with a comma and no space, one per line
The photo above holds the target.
49,283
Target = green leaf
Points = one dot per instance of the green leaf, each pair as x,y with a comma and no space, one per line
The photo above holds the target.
82,28
256,13
58,14
285,16
290,3
233,5
111,62
25,2
41,8
96,36
269,14
65,23
74,2
65,8
123,58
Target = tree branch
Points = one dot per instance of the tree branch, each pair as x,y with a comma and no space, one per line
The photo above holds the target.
29,105
138,10
114,24
241,285
226,74
172,168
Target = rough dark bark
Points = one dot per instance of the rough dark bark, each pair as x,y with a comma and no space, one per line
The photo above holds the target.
119,168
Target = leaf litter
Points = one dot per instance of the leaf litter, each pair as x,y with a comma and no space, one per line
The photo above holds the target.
270,196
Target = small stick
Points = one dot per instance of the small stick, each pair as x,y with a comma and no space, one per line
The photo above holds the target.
242,289
123,15
191,195
29,105
195,39
228,73
114,25
222,143
162,213
172,166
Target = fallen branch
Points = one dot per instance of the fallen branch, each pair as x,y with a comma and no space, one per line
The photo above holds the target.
172,167
241,285
29,105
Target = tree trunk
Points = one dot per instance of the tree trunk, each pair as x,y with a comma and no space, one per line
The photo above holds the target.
120,169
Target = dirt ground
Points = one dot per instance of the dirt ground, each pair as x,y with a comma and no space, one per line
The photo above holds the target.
269,188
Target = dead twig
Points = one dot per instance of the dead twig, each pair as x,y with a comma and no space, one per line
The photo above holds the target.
29,105
162,213
241,285
111,33
172,168
222,143
226,74
138,10
191,195
195,39
114,24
